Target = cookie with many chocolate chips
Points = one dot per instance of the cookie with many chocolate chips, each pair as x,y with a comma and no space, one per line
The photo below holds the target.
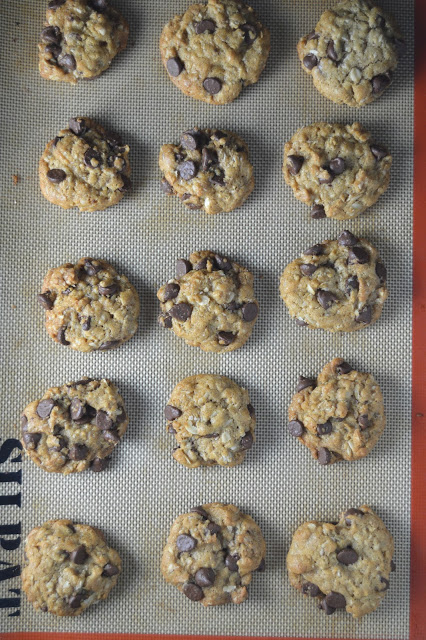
89,306
69,567
210,303
337,285
212,420
211,553
344,565
336,169
214,50
338,416
209,170
80,38
352,52
75,426
85,166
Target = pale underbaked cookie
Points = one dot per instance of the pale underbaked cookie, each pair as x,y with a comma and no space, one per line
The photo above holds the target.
336,169
89,306
211,553
214,50
75,426
338,416
343,565
338,285
209,169
80,39
352,52
85,166
212,420
210,303
69,567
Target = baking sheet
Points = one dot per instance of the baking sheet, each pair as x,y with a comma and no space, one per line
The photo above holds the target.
279,484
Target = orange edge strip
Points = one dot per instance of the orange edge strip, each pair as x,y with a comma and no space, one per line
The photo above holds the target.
418,496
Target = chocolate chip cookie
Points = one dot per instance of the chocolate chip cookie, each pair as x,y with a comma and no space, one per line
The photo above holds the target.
337,285
210,303
85,166
69,567
214,50
212,420
211,553
80,38
344,565
89,306
338,416
336,169
75,426
352,52
209,170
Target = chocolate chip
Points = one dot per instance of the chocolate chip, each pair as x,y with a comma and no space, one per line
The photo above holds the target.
364,316
337,166
205,25
56,175
331,51
294,164
77,126
246,441
171,412
77,409
208,158
358,255
310,61
380,82
181,311
193,591
182,267
174,66
379,152
326,298
307,269
343,368
185,543
55,51
261,568
316,250
111,436
103,420
91,268
212,85
109,344
347,556
45,301
352,512
191,139
92,158
392,566
166,322
205,577
171,291
213,528
79,555
167,187
99,5
99,464
201,512
327,177
327,609
31,440
218,177
24,422
78,452
324,428
324,456
108,290
51,35
250,32
68,61
310,589
335,600
304,383
127,184
301,323
352,284
203,263
347,239
225,338
110,570
318,212
296,428
231,561
187,169
55,4
250,311
44,408
380,21
381,271
223,264
363,421
312,36
86,323
251,410
386,583
75,601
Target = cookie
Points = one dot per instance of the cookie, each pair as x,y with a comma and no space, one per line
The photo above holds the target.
85,166
89,306
338,285
209,170
211,553
69,567
336,169
75,426
343,565
352,52
212,420
80,38
338,416
214,50
210,303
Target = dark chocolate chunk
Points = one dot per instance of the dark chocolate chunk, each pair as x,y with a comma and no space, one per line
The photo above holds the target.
296,428
174,66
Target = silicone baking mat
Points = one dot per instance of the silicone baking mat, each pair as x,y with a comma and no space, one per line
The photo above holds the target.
279,484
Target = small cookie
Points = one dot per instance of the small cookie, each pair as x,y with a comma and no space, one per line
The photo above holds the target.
80,38
338,285
212,420
89,306
85,166
74,427
343,565
336,169
214,50
210,303
209,170
339,416
352,52
69,567
211,553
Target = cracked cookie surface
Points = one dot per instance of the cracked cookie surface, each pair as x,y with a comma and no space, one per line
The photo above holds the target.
210,303
344,565
352,52
89,306
336,169
69,567
212,420
210,170
80,38
337,285
338,416
211,553
214,50
85,166
75,426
